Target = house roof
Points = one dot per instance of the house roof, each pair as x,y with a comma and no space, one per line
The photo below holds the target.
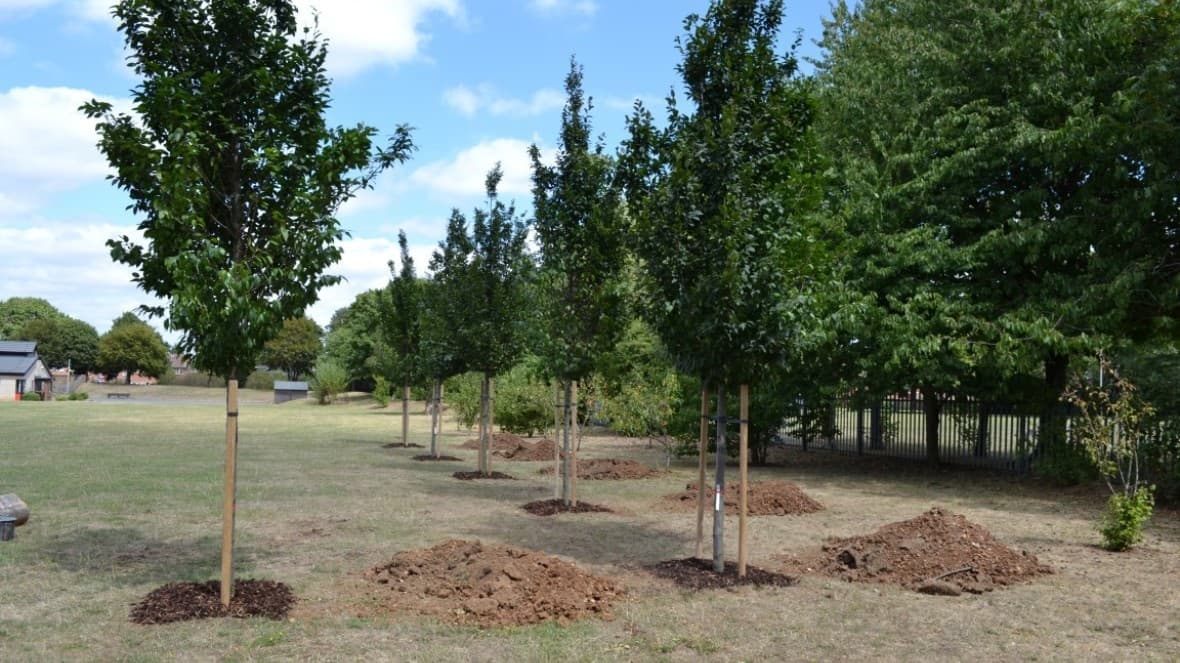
18,347
290,386
16,365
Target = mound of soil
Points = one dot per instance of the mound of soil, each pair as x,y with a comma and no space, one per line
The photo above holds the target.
766,498
539,450
938,552
488,585
180,601
428,457
470,476
554,507
696,573
401,445
501,442
610,468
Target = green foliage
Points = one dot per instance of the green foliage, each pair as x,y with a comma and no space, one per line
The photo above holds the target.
16,312
1122,523
63,340
1065,464
133,347
232,169
381,391
264,380
462,397
524,402
78,396
295,348
401,318
329,380
355,341
30,396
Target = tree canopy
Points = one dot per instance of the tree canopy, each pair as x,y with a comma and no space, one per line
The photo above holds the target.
132,347
63,341
16,312
296,347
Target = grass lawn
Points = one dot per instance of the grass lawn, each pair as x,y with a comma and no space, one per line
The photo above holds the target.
125,496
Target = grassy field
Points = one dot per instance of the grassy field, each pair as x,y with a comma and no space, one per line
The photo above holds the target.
125,496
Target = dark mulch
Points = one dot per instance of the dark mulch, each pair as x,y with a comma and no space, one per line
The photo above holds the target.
696,573
428,457
181,601
401,445
469,476
554,507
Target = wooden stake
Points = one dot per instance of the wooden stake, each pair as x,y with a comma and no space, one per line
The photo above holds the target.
574,446
491,424
483,425
229,501
719,486
556,437
744,477
701,462
405,415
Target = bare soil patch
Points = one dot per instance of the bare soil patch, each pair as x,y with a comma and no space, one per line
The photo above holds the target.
471,476
695,573
765,498
181,601
610,468
539,450
938,552
401,445
489,585
498,442
428,457
554,507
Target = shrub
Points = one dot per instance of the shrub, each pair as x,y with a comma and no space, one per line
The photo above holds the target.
462,396
524,405
79,396
31,396
329,381
381,391
1122,524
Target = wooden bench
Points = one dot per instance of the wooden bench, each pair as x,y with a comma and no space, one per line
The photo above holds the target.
115,394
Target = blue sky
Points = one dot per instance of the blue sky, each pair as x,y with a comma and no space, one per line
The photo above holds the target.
478,81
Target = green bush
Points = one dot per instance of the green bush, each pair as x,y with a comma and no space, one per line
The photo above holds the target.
381,391
329,381
264,380
1122,524
31,396
524,404
78,396
462,397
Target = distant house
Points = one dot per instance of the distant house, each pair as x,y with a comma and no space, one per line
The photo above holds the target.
22,371
289,391
179,364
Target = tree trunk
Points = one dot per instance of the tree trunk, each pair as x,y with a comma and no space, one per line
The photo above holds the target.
1052,428
743,474
933,410
558,473
876,427
566,457
405,415
576,434
982,430
483,425
491,422
229,503
435,416
702,449
719,487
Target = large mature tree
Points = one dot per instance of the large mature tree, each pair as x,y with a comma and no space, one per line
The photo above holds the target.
578,218
1004,183
16,312
296,347
401,326
133,347
64,341
354,339
717,199
235,175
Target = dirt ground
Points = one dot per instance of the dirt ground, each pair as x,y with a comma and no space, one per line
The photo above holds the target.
181,601
698,574
610,469
555,506
765,498
487,585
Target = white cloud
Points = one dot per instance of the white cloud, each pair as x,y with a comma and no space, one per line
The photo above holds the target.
48,145
91,10
584,7
466,174
364,265
470,101
370,33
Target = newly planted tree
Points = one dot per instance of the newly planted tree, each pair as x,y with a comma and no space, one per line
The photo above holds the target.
236,178
720,199
401,325
579,224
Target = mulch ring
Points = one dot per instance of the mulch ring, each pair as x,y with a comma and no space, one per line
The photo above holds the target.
765,498
498,442
471,476
489,585
695,573
181,601
401,445
938,552
428,457
554,507
610,468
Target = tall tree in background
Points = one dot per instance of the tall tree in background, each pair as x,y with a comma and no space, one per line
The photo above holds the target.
401,326
720,200
133,347
579,224
236,177
63,341
16,312
296,347
1004,183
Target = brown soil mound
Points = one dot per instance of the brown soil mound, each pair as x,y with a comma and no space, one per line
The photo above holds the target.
554,507
428,457
401,445
499,442
766,498
473,583
469,476
539,450
696,573
610,468
938,552
180,601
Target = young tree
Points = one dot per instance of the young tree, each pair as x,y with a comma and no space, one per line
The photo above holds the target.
133,347
579,224
719,199
401,310
296,347
236,178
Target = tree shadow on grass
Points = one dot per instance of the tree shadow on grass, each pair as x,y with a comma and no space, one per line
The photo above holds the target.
129,557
